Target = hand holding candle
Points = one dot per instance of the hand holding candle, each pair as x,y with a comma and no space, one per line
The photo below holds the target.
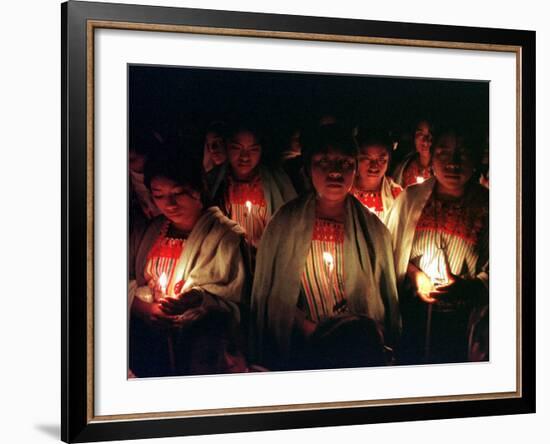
425,287
454,290
189,298
422,283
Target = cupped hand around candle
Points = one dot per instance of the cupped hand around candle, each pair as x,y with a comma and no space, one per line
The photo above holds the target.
191,299
422,284
156,317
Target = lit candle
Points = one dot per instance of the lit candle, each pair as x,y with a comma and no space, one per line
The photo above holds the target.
163,283
248,205
419,179
329,261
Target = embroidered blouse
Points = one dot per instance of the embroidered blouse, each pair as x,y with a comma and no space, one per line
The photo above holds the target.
322,281
448,232
162,260
372,200
247,206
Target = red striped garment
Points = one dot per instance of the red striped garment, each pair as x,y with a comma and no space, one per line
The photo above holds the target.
162,258
372,200
448,232
323,276
248,207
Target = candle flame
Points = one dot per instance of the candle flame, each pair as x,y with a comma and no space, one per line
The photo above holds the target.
419,179
329,261
163,282
248,205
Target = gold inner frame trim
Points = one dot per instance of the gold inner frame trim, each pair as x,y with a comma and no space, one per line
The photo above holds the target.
98,24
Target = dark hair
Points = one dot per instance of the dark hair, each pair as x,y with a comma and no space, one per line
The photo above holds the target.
375,136
144,139
320,139
423,118
217,127
239,124
176,163
347,342
470,135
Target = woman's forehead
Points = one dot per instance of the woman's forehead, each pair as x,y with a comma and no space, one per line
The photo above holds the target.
374,149
244,136
165,182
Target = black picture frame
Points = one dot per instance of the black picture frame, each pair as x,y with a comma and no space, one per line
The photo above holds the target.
78,423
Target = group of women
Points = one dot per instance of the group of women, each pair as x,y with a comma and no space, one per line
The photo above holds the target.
322,261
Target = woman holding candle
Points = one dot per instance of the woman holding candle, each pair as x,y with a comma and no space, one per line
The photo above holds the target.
415,166
246,191
372,187
322,256
186,260
440,232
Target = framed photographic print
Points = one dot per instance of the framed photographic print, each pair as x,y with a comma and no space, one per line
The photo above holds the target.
277,221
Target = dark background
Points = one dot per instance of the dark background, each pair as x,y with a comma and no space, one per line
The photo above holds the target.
181,102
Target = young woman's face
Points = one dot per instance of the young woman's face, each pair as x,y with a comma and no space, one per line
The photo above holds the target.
332,174
423,137
452,163
215,145
244,153
373,164
181,204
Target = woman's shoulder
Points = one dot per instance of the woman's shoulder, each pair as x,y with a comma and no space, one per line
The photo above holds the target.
289,214
375,225
294,207
478,196
417,190
219,224
277,176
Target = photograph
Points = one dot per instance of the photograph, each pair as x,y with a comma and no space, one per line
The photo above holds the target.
241,222
282,221
305,221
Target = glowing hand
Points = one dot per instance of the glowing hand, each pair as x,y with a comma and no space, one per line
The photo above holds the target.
424,286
